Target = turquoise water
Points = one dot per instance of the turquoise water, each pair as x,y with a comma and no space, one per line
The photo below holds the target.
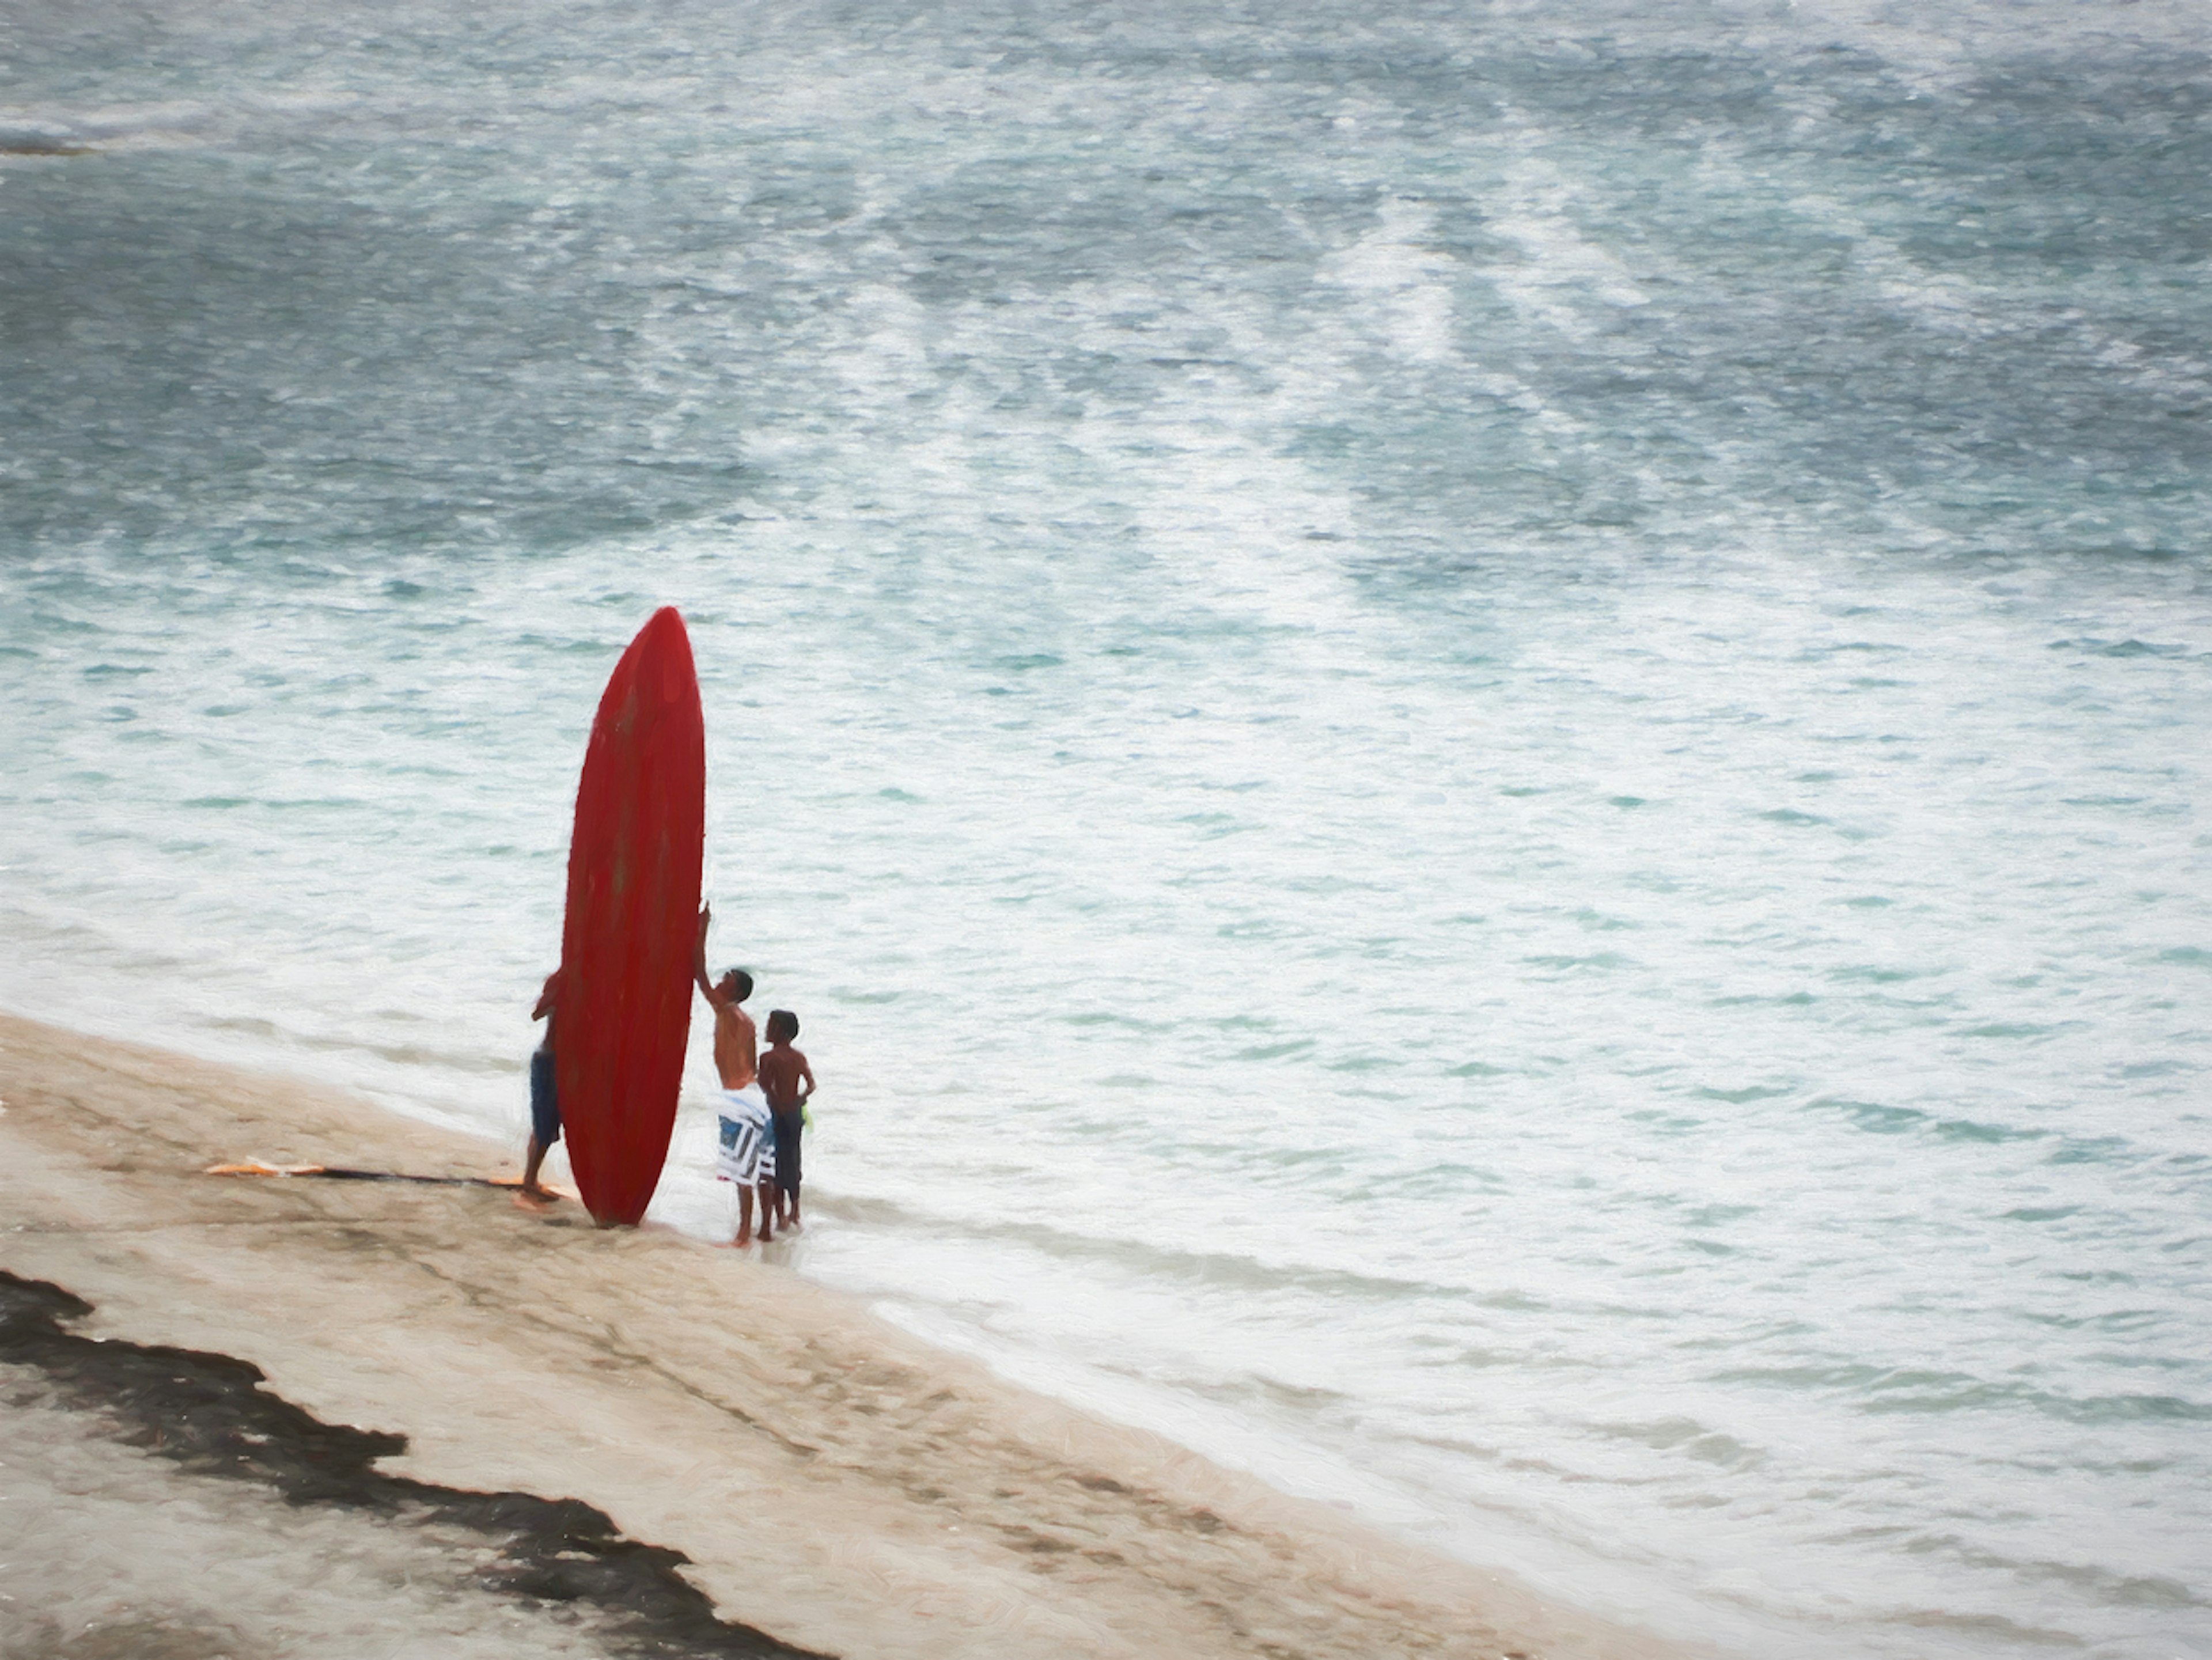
1473,734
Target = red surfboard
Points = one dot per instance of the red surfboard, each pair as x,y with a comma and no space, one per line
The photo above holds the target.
623,1006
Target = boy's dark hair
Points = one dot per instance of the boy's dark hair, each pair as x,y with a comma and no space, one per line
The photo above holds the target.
782,1025
744,983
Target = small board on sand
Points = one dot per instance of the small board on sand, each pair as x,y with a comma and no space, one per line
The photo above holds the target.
342,1173
623,1010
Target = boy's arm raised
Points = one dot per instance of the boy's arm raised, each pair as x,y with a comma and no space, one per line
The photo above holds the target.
699,957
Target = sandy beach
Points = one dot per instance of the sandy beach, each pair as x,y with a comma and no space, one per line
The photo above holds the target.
293,1416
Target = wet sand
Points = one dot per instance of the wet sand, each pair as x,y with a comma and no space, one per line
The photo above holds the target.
582,1442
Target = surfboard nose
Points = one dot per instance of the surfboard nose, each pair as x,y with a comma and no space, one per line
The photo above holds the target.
672,645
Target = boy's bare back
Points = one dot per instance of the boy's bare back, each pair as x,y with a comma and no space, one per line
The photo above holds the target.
782,1069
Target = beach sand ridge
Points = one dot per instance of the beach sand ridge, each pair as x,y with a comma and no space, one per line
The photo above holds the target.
832,1482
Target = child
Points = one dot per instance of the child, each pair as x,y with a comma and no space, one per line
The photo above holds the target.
544,1098
745,1149
781,1070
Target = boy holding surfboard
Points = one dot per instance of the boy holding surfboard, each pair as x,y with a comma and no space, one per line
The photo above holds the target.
745,1147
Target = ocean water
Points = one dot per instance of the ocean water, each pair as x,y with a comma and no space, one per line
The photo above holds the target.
1474,733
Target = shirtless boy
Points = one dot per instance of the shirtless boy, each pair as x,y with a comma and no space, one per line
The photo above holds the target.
745,1150
545,1099
782,1069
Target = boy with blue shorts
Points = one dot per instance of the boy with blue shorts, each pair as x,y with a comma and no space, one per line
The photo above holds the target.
783,1071
545,1099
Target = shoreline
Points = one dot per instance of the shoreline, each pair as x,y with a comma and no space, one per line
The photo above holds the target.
824,1478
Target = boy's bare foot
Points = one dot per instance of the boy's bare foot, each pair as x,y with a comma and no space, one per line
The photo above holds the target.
535,1203
741,1242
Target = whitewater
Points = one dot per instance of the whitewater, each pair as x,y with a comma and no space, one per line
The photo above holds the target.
1474,733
